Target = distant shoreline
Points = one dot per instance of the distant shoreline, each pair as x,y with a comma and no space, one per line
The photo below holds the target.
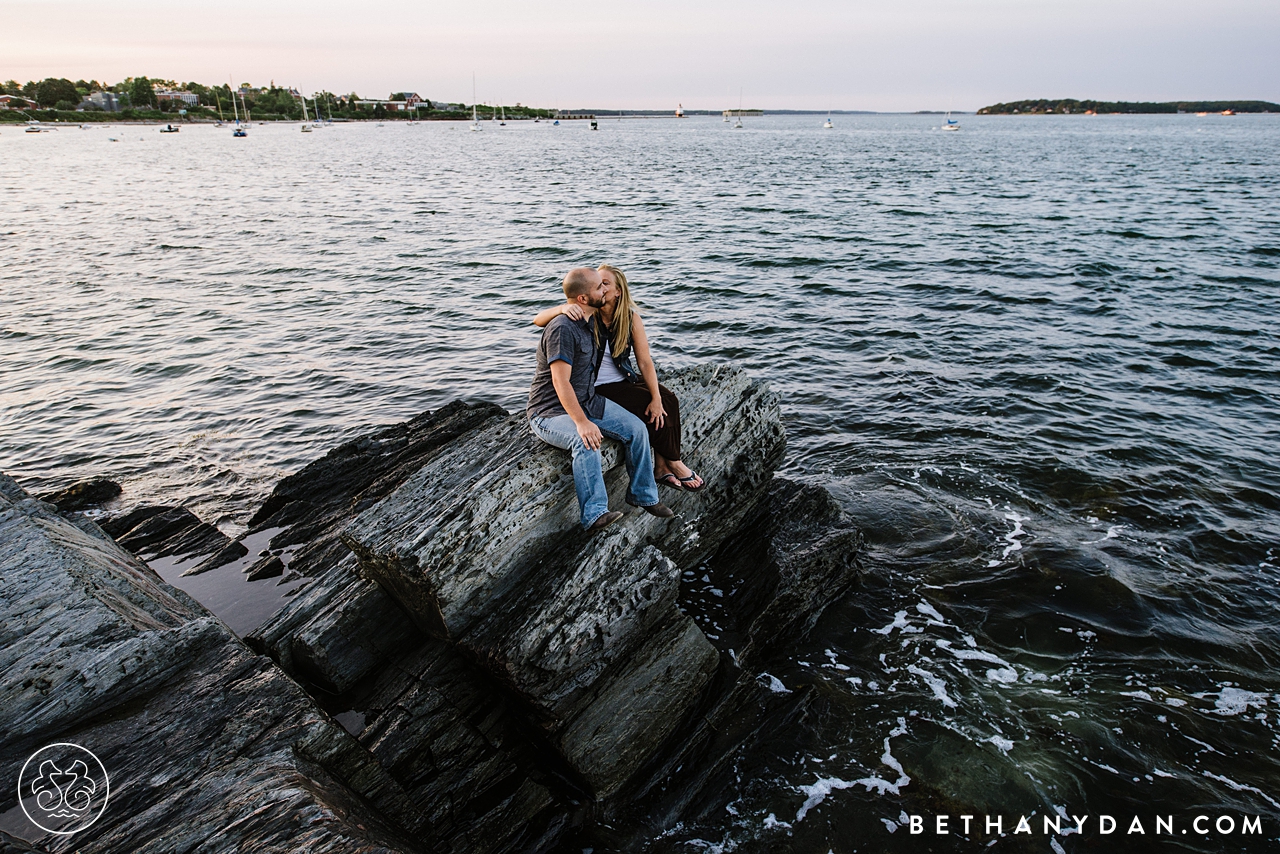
1068,106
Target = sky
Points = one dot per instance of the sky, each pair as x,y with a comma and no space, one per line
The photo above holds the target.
904,55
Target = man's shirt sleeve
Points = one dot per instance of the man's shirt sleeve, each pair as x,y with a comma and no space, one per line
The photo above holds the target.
559,344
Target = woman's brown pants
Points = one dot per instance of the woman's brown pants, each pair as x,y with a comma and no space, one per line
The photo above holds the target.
634,397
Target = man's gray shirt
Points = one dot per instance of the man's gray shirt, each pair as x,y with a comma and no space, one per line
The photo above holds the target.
571,341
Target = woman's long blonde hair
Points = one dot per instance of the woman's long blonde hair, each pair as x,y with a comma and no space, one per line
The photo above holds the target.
622,312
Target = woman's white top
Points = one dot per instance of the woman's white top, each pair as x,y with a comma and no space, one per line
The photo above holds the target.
609,372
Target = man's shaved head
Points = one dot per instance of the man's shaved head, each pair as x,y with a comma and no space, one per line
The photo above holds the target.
578,281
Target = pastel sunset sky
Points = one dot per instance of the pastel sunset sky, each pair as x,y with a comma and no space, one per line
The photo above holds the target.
652,54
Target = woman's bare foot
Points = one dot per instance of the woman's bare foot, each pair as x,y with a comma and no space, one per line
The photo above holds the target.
686,475
663,474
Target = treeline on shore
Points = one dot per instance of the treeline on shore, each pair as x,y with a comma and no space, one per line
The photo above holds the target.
1071,105
152,98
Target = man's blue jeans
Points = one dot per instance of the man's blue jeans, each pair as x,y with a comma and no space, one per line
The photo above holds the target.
588,471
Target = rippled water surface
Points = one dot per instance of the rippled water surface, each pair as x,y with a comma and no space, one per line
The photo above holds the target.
1037,359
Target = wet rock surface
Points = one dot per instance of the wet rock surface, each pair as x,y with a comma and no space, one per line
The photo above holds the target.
507,680
83,494
209,744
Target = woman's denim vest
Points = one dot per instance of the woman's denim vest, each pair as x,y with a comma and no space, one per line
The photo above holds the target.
623,361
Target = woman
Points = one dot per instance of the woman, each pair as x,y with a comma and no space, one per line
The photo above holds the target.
638,393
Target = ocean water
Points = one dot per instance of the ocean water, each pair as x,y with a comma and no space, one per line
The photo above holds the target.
1037,360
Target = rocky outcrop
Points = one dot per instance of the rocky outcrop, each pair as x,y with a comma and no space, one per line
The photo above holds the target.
505,677
208,744
161,530
314,505
83,494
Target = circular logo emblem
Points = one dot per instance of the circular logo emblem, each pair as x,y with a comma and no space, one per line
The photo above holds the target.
63,788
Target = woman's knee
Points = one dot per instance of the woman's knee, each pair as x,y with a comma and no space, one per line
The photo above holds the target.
670,402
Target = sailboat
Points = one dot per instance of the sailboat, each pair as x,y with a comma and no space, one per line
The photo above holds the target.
475,120
828,124
738,123
679,111
503,123
239,131
306,123
951,124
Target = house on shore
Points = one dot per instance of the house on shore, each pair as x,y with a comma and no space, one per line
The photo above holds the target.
17,102
188,98
108,102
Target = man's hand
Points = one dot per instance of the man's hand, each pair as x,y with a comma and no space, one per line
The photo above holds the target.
590,434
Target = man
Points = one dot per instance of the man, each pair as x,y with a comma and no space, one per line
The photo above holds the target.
564,409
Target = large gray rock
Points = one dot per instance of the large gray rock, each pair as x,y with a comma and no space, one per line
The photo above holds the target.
460,533
482,548
209,745
506,677
314,505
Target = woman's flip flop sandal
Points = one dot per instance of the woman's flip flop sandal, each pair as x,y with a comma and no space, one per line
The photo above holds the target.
687,482
669,479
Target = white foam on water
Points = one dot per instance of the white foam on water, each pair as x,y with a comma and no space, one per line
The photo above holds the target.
1160,773
1056,846
775,684
834,663
1235,701
823,786
771,821
1003,675
817,793
1015,545
1004,744
1140,695
1204,744
936,685
1241,787
1111,534
889,824
973,654
1062,811
899,622
929,611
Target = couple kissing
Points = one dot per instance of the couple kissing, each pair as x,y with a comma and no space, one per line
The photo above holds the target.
585,388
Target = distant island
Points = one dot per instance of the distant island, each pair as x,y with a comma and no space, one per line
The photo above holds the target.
1045,106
